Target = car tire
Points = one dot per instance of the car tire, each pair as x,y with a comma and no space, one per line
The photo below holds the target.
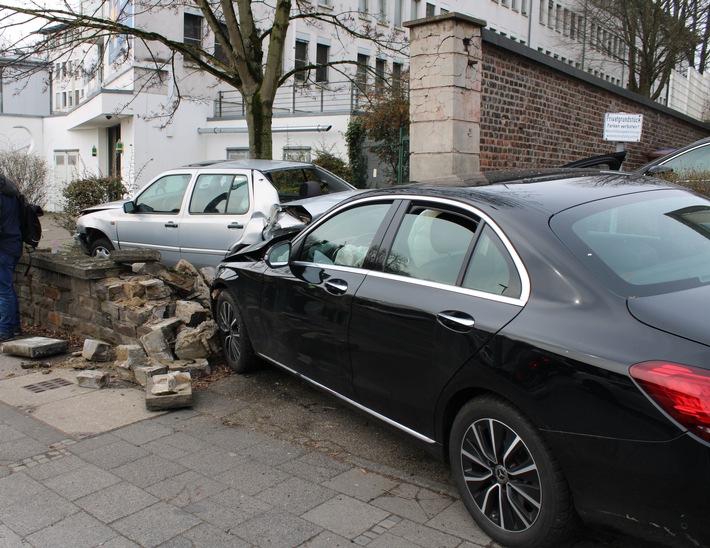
507,477
236,344
101,248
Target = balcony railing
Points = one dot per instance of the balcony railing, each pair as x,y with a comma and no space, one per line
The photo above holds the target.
298,100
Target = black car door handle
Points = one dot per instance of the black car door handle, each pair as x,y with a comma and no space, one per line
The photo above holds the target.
171,224
458,321
235,225
336,287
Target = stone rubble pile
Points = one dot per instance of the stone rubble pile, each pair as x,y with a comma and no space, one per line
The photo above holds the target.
166,326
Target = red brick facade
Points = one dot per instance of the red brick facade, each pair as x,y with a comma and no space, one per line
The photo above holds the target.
535,116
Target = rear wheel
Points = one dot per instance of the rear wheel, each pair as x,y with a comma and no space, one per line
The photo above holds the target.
101,248
236,344
508,479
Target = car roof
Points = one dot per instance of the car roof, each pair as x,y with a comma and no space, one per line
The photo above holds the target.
260,165
672,154
545,191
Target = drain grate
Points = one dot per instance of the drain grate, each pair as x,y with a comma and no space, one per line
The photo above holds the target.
51,384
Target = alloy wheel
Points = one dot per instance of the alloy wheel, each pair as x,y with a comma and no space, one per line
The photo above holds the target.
229,325
501,475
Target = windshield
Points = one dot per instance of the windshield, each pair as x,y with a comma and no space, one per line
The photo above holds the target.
641,244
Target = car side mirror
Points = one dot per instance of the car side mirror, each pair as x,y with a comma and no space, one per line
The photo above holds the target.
278,255
129,207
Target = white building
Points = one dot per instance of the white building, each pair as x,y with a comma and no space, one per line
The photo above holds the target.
112,94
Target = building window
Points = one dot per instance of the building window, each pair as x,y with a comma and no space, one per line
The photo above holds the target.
382,11
362,68
362,7
398,13
430,9
397,75
297,153
550,14
192,32
415,9
380,70
219,52
322,56
300,61
238,153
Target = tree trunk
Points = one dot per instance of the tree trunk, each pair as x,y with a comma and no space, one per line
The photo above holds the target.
259,117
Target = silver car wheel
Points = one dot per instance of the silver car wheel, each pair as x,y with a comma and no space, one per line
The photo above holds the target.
501,475
230,328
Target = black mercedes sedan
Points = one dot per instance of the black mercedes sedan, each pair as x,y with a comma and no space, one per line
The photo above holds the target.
547,336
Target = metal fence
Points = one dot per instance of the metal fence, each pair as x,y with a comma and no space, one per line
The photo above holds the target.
298,99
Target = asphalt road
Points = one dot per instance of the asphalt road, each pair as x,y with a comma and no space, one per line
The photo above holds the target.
270,400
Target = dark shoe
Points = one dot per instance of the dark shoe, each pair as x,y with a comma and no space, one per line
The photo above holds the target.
4,337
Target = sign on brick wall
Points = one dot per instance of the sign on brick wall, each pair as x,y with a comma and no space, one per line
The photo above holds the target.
622,127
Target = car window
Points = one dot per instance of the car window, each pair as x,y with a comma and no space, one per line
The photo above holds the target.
164,195
431,244
693,161
643,244
218,193
292,184
345,238
492,269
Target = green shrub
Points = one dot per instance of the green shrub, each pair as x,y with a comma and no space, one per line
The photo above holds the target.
88,192
332,163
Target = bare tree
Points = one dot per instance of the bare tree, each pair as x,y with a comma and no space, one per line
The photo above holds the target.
30,172
250,42
657,36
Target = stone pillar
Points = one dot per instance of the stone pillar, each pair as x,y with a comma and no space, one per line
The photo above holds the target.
445,96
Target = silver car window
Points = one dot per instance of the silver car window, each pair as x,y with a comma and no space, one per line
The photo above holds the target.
164,195
219,194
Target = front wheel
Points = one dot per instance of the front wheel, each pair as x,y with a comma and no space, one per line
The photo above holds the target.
507,477
101,248
236,344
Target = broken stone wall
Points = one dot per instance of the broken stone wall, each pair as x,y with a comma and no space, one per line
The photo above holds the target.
131,301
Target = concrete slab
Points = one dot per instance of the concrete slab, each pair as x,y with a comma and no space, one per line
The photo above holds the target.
57,400
35,347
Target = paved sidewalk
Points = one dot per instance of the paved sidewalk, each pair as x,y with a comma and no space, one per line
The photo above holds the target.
185,478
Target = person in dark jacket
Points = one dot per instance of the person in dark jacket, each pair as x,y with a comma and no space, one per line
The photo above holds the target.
10,253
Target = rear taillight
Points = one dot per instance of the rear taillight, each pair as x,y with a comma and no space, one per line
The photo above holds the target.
682,391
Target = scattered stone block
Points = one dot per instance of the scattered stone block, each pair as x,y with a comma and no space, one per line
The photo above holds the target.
196,368
92,379
190,313
35,347
194,343
169,391
156,346
97,351
141,374
130,256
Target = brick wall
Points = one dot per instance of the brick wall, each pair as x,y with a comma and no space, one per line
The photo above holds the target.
539,112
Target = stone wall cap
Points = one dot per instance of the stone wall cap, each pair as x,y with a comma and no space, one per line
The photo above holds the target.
444,16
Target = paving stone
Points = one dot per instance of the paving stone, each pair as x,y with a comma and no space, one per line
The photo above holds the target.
211,461
148,470
251,477
273,452
18,488
143,432
360,516
277,528
207,534
80,529
35,347
156,524
296,495
80,482
175,446
55,467
228,509
426,536
455,520
315,467
361,484
115,454
413,502
43,509
186,489
327,539
116,502
90,444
